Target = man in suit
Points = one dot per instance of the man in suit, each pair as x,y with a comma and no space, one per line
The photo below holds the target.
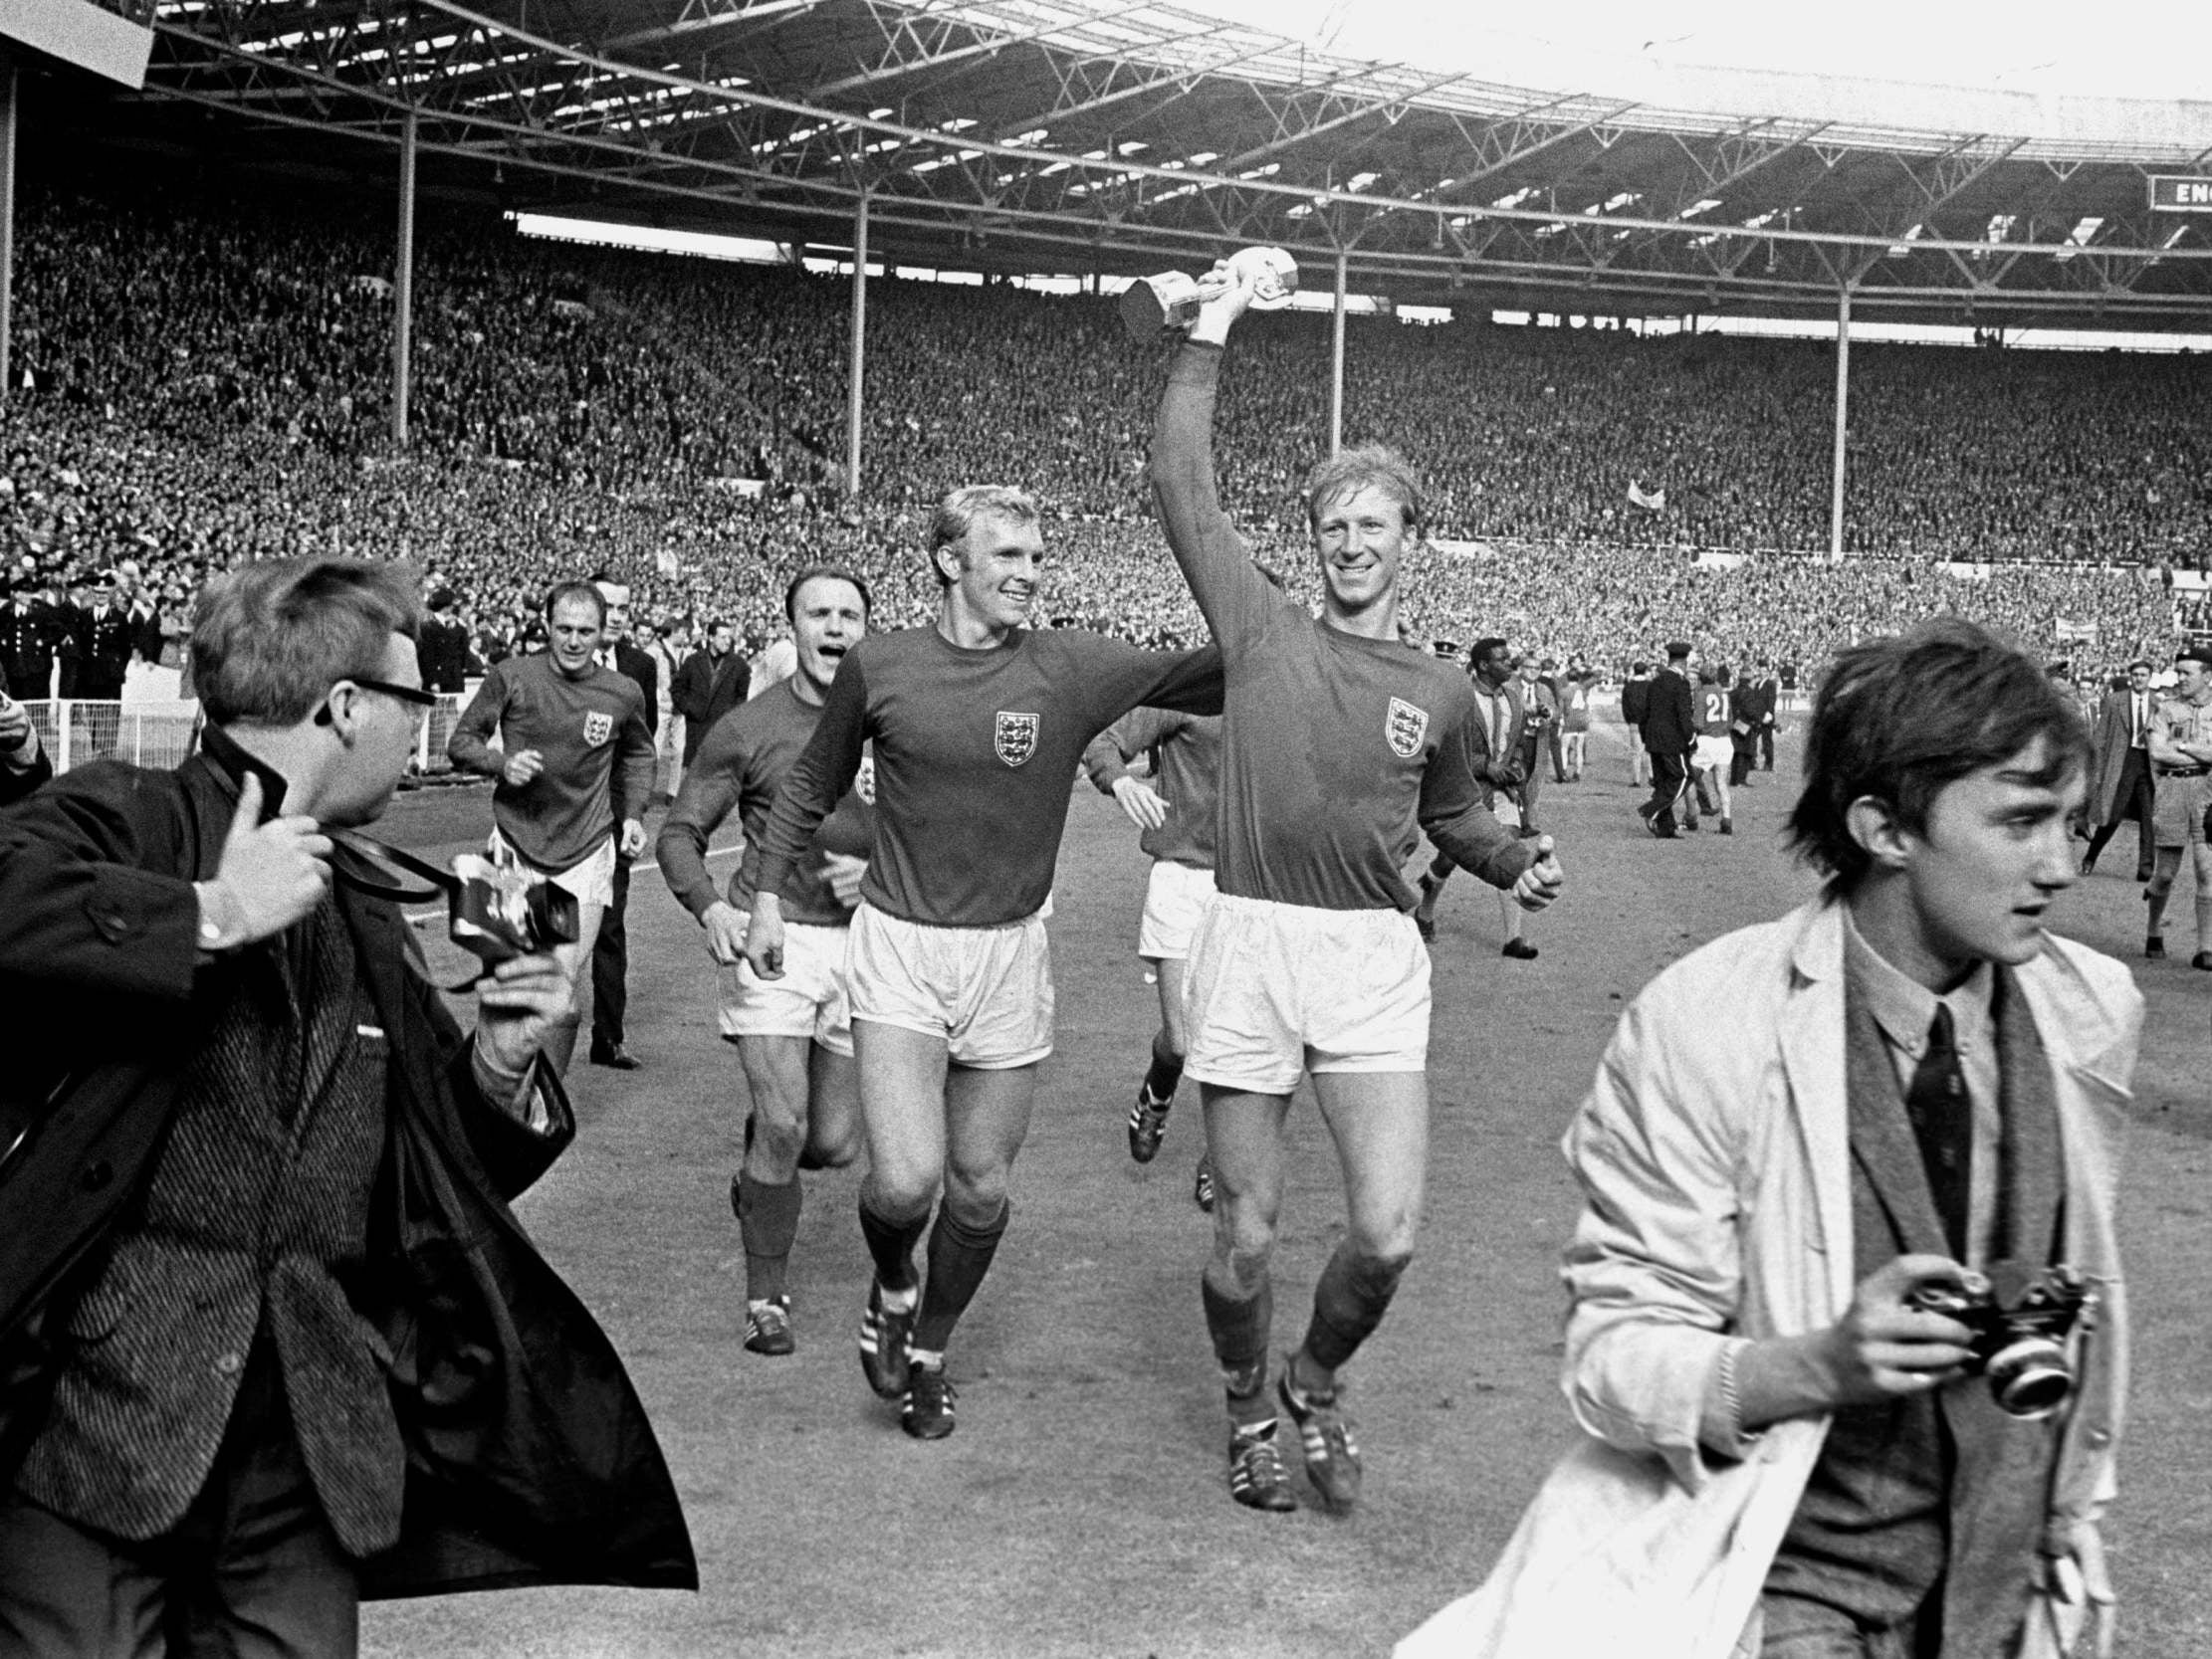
709,685
1799,1135
2120,781
1539,697
26,641
264,1311
1768,688
1753,725
1502,750
444,646
1669,731
104,636
611,952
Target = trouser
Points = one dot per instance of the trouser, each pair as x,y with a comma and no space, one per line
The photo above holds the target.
1766,748
611,965
1670,778
1741,746
2136,800
1526,792
253,1571
1558,760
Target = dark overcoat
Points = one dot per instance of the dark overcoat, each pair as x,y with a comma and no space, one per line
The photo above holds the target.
530,1460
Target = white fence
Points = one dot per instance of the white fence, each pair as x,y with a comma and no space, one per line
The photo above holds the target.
161,734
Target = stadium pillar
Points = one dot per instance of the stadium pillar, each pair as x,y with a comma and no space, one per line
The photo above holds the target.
7,225
855,373
403,288
1842,421
1336,366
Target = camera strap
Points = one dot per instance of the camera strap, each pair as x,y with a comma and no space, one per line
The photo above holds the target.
373,867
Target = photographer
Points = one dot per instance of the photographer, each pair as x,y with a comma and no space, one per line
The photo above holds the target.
1798,1133
267,1324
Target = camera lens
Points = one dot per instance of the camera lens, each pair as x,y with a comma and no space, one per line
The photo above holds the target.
2031,1378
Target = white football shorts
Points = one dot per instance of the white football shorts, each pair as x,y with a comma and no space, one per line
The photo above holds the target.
1175,898
812,998
985,992
1274,990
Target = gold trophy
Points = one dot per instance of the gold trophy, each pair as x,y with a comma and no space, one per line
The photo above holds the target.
1169,304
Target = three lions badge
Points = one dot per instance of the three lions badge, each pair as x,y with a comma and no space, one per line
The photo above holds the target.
598,727
1406,728
1014,738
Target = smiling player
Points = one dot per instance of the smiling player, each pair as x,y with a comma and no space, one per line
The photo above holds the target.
1339,743
977,723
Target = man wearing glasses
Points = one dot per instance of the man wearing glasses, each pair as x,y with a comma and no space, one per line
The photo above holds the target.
251,1374
573,757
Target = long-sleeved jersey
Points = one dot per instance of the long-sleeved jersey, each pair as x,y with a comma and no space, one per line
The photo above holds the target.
1334,747
742,763
597,747
1186,752
976,753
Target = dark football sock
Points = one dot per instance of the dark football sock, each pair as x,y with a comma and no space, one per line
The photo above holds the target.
960,1255
768,1221
1348,1303
891,1246
1239,1328
1166,1068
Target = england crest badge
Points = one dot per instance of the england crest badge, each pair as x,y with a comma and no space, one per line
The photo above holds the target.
1406,729
598,727
1016,737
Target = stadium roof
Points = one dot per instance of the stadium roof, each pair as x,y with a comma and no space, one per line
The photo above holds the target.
1079,135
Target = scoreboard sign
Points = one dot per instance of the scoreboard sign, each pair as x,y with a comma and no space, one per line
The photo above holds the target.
2180,193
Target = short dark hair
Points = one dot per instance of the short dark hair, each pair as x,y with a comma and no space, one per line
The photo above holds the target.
1481,650
832,572
561,591
271,637
1902,718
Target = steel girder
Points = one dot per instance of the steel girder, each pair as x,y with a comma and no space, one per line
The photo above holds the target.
1123,135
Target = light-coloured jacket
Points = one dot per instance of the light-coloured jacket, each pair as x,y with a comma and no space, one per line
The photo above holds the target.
1714,1155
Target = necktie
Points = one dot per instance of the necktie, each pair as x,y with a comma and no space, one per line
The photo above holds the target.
1943,1124
2135,738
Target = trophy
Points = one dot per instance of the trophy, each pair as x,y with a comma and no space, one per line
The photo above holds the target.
1169,304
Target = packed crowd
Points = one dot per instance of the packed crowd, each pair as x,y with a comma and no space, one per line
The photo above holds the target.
200,383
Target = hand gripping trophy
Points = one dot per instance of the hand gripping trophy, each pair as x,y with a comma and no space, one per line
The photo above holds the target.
1169,304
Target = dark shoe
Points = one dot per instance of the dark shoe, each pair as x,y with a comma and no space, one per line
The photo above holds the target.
928,1411
2089,868
1148,1124
1202,1183
1690,826
2202,960
1727,826
2154,947
883,1340
1519,949
1256,1477
767,1326
1325,1434
614,1057
2141,874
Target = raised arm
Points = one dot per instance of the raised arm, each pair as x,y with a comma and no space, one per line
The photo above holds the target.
1214,559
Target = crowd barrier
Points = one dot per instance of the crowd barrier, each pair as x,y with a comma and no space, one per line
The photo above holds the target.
160,733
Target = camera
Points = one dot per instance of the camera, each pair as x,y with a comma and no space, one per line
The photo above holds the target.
501,910
2017,1344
